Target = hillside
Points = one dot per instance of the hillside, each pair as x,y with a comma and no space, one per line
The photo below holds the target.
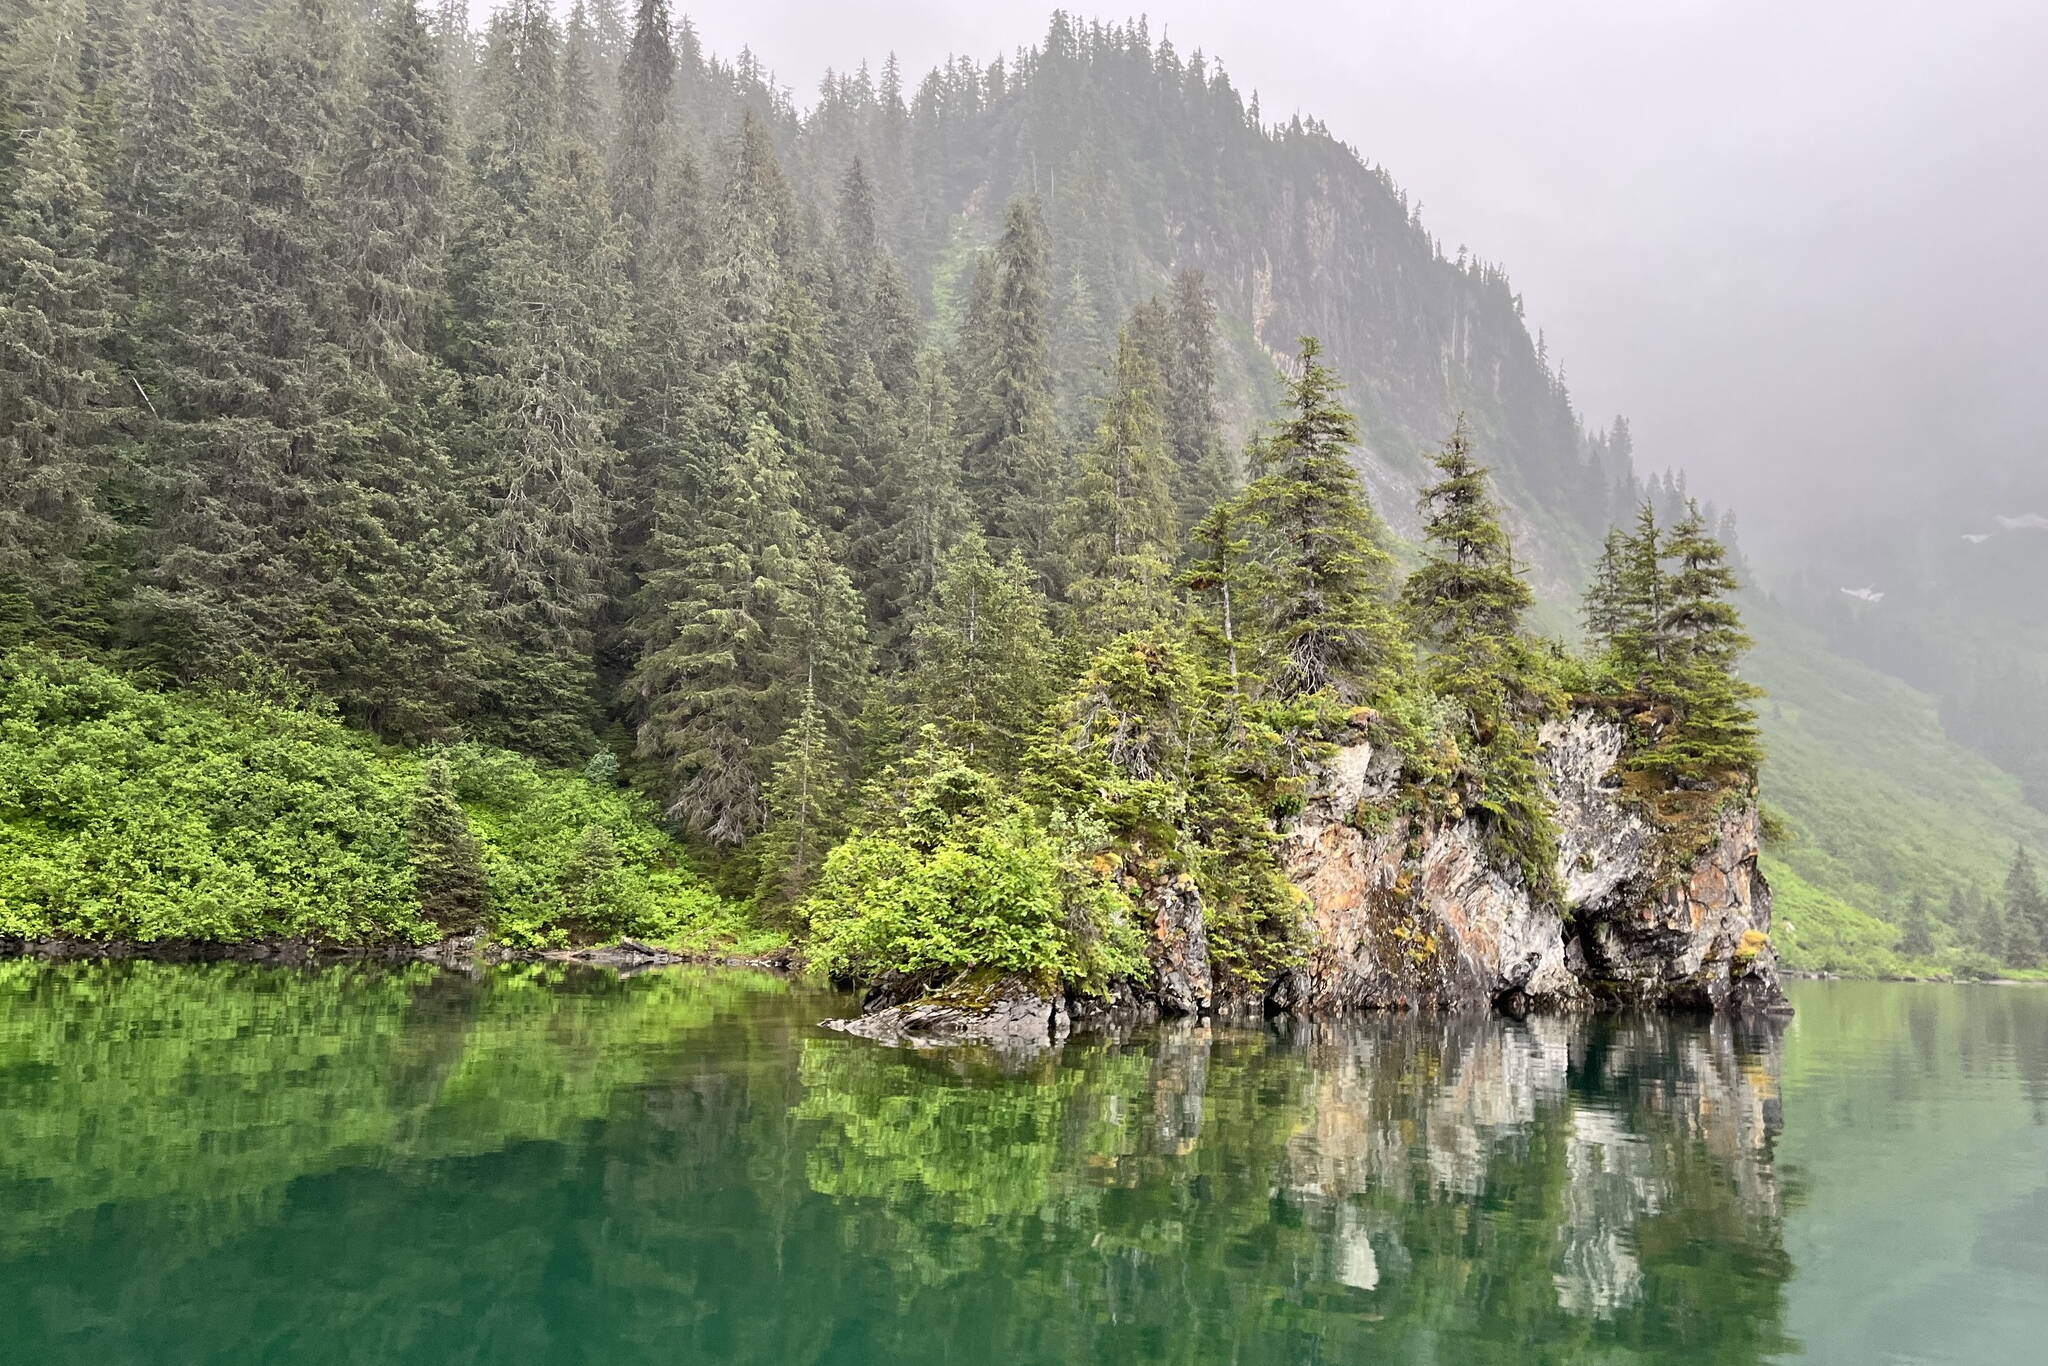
1299,234
560,388
133,817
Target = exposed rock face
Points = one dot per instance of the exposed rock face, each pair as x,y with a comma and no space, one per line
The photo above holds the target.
1415,912
1178,948
1008,1014
1410,914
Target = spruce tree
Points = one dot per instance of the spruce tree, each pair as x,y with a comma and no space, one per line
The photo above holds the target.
929,511
1466,600
752,248
1116,528
2026,912
236,276
1323,604
536,319
981,647
1643,597
448,873
56,381
396,180
743,612
1012,451
1202,469
1917,937
807,797
1219,576
1604,612
708,680
1699,624
1698,641
397,603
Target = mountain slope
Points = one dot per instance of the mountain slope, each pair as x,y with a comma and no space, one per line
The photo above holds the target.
1146,163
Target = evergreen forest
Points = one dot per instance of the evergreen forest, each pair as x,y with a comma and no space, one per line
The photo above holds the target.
541,480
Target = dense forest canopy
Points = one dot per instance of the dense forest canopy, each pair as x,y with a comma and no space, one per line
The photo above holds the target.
884,489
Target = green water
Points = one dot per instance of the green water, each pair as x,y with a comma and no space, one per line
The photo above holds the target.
228,1164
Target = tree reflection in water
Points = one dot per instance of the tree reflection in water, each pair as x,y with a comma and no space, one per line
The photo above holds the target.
239,1164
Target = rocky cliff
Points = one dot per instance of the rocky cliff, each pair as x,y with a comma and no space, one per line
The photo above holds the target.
1418,913
1421,912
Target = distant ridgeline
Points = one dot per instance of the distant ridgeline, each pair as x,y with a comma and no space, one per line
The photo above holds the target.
863,493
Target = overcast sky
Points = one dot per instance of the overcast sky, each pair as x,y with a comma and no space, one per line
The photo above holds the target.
1800,243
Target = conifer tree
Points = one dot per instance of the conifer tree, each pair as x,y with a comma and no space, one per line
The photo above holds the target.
1203,474
1218,574
1605,613
537,316
930,513
1466,600
871,341
1698,640
448,872
743,613
1960,919
2026,912
1324,591
396,179
1917,937
395,613
641,155
55,319
981,648
708,680
1012,452
752,248
1644,596
236,262
1699,624
806,796
1116,529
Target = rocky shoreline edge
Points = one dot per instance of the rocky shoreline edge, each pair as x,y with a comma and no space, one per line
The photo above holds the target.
461,953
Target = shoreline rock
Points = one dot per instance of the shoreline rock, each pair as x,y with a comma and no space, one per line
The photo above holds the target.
1418,911
459,953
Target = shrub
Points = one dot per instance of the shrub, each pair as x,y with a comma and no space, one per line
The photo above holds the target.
128,814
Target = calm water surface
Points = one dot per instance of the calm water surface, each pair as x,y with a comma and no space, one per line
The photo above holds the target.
228,1164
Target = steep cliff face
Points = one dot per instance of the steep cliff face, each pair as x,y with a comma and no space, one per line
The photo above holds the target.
1408,912
1416,913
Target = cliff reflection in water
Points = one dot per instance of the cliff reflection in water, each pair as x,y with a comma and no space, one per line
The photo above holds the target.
1431,1188
236,1164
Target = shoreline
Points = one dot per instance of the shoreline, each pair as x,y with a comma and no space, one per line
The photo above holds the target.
461,953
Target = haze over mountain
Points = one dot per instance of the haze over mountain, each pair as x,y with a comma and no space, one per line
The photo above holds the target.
610,402
1796,245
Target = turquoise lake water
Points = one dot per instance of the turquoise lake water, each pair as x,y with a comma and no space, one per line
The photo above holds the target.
232,1164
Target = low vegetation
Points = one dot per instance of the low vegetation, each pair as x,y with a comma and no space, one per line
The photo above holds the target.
127,814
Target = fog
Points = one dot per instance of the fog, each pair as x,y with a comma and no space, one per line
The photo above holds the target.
1799,244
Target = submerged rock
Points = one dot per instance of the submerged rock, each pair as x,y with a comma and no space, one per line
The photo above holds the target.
1011,1012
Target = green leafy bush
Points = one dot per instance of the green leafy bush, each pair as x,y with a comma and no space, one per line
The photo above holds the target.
128,814
968,878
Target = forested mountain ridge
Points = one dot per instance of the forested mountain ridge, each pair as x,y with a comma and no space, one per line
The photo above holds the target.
560,383
1146,162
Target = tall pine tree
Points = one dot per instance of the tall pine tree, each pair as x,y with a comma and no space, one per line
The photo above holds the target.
1324,590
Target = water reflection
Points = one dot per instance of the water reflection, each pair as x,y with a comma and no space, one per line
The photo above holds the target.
235,1164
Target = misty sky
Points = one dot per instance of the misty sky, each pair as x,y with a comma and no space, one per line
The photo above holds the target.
1799,242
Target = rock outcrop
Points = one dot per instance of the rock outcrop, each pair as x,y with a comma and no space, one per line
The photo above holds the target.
1418,910
1009,1013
